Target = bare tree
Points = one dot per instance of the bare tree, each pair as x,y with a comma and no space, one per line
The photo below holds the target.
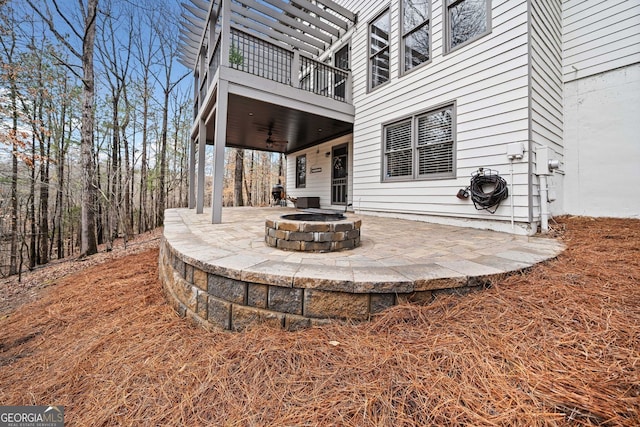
10,72
238,200
144,54
168,49
85,33
115,55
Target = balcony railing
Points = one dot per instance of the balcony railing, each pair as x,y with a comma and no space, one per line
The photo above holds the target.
261,58
323,79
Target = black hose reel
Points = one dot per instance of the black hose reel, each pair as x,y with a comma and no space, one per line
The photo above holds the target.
487,190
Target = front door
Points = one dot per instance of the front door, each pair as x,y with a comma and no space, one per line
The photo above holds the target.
339,172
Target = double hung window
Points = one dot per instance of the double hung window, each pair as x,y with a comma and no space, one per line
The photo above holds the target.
466,20
421,146
416,47
379,36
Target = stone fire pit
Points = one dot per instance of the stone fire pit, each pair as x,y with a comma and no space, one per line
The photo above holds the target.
313,231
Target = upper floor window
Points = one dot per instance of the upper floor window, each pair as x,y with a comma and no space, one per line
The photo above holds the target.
416,47
379,35
341,60
466,20
301,171
421,146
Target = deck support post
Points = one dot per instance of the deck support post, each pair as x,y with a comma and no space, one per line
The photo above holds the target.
192,174
219,142
202,144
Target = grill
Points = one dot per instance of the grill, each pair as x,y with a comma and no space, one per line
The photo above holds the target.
277,192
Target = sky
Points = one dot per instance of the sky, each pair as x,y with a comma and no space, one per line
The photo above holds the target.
120,11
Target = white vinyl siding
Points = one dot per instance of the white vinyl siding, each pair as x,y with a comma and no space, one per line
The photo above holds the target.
319,172
487,78
546,82
599,36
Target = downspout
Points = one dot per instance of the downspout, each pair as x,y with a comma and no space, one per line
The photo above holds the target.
515,151
513,209
529,111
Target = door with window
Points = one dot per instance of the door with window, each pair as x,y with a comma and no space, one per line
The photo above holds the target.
339,174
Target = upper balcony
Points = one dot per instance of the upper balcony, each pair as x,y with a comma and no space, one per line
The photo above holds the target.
276,57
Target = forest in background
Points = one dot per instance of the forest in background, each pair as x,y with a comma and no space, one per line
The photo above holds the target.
73,175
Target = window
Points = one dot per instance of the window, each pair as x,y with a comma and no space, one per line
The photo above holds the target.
341,60
301,171
379,67
421,146
466,20
416,48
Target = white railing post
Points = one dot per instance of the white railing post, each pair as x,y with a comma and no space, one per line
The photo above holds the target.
348,88
295,69
196,92
211,50
225,33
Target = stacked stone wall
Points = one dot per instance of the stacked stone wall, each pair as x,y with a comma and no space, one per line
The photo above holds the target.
201,293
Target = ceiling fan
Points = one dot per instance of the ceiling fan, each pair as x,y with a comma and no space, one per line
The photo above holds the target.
272,142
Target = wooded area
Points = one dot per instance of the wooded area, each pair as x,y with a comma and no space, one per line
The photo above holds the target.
94,128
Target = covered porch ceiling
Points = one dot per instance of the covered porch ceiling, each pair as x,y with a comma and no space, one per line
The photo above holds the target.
250,121
310,26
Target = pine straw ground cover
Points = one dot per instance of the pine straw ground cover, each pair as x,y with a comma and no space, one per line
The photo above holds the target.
557,345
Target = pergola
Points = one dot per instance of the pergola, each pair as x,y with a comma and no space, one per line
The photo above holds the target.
310,26
239,107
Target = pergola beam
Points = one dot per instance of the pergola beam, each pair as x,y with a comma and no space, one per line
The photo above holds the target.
282,18
308,26
198,23
340,10
188,29
276,35
186,57
299,13
274,25
189,42
323,13
198,13
201,4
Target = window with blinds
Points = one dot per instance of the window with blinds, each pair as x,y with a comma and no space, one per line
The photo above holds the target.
420,147
435,143
398,150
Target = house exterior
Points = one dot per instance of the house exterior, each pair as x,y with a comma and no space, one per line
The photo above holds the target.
396,107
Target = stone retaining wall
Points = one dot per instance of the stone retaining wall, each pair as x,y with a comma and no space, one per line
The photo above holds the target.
207,297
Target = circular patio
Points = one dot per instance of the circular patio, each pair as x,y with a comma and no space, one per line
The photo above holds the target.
224,275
